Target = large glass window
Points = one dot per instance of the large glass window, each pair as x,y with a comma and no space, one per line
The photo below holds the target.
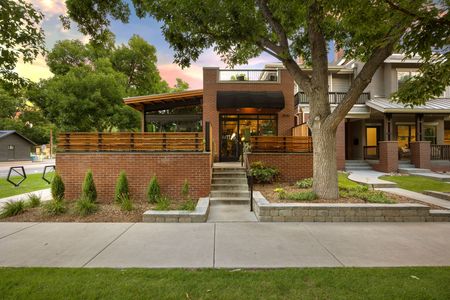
404,75
405,135
430,134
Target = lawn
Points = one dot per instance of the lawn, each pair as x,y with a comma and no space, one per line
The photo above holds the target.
318,283
418,184
33,182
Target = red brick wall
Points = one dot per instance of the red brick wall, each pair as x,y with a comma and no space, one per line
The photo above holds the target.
440,166
420,154
340,146
292,166
388,157
211,86
170,168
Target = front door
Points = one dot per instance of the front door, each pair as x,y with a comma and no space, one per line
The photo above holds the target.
229,139
372,138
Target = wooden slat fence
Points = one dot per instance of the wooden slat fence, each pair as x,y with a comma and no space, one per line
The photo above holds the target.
130,141
281,144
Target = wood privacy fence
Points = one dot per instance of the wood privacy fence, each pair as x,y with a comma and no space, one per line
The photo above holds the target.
281,144
130,141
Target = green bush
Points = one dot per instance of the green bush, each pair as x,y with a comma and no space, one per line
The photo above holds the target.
188,205
12,209
305,183
89,192
85,207
185,190
281,193
153,191
262,173
57,187
54,207
301,196
163,203
33,200
121,188
126,204
367,196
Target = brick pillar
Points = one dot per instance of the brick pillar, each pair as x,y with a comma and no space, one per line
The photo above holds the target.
420,154
388,152
340,146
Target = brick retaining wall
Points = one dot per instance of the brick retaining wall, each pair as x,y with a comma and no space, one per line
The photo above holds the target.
170,168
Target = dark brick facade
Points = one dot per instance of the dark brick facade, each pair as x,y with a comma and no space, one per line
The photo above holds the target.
388,152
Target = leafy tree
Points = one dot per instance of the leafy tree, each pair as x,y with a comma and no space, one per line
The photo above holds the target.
367,30
65,55
180,86
21,37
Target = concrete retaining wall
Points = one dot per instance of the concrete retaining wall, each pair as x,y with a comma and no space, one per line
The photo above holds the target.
199,215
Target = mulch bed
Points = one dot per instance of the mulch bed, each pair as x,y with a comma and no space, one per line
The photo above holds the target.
267,190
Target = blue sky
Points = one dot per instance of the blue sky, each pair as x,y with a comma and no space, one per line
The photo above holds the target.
147,28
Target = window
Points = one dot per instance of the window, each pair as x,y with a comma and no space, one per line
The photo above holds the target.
430,134
404,75
11,147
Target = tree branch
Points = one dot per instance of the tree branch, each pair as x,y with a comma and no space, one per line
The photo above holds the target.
397,7
276,26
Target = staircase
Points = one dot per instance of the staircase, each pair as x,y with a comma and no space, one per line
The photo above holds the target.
230,195
357,165
406,167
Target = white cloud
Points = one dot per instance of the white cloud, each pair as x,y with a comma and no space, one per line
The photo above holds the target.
50,7
35,71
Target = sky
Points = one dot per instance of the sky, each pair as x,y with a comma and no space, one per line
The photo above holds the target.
147,28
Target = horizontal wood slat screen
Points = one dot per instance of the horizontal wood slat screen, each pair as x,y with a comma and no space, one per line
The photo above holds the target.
282,144
130,141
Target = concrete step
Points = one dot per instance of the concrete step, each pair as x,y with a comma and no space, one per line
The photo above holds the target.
229,187
412,170
232,180
228,175
440,195
356,163
407,166
228,169
229,200
357,168
230,194
231,213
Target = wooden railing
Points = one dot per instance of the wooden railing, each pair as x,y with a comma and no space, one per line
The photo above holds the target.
300,130
440,152
130,141
333,98
371,152
282,144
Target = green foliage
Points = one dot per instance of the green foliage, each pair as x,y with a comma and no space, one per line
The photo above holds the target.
89,191
21,38
281,193
125,203
54,207
305,183
57,187
85,207
262,173
188,205
33,200
163,203
65,55
301,196
350,189
122,190
185,189
153,190
12,208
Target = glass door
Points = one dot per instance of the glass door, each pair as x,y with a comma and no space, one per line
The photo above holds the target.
405,135
372,138
229,139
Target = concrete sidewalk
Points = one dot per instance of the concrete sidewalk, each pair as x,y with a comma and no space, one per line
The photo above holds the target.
224,245
45,195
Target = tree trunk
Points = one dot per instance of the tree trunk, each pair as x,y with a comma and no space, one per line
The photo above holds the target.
325,183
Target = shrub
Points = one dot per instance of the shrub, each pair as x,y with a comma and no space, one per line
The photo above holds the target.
57,187
153,191
188,205
126,204
89,192
185,190
12,209
262,173
121,188
163,203
367,196
85,207
54,207
302,196
305,183
281,193
33,200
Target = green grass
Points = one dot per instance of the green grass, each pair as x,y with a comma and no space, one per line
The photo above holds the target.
319,283
418,184
33,182
347,184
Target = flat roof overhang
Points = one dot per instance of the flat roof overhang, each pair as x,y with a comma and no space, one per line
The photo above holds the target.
250,99
165,101
433,106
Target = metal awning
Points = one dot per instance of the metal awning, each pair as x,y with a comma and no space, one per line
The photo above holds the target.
441,105
244,99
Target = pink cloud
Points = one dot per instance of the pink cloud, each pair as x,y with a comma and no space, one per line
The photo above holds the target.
192,75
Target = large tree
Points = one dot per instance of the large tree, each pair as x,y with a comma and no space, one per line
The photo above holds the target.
367,30
21,38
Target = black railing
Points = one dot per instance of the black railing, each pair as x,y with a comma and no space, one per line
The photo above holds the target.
333,98
440,152
371,152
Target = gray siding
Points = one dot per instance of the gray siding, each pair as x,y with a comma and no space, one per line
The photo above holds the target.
21,151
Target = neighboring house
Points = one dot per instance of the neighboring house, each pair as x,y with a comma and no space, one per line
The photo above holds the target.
14,146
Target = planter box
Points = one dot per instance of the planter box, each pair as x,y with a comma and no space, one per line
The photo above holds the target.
199,215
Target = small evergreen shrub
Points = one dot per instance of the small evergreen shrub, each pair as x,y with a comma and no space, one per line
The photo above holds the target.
12,209
163,203
54,207
305,183
153,191
263,173
33,200
185,190
126,204
85,207
122,190
89,192
188,205
57,187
